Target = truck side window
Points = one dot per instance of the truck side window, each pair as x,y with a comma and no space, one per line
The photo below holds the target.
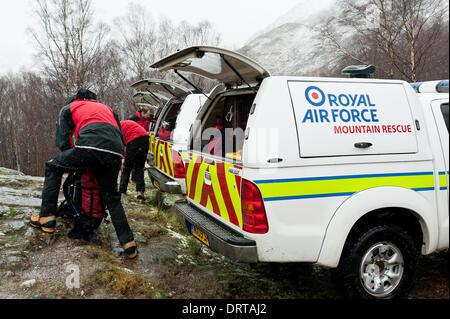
444,109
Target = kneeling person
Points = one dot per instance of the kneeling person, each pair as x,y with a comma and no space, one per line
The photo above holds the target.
99,146
137,145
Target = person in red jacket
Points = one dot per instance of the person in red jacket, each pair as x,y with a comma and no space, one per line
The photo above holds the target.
137,145
143,117
99,145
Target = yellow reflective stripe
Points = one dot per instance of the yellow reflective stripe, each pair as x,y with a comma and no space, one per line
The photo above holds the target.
156,154
163,160
234,193
183,155
443,180
218,193
199,182
226,192
335,186
168,159
189,172
152,139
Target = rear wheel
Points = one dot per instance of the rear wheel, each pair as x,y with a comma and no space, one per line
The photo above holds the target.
378,262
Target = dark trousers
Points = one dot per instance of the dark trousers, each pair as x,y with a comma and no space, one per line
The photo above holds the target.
105,167
135,158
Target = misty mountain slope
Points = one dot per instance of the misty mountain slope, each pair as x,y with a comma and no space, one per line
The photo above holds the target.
291,45
303,12
290,49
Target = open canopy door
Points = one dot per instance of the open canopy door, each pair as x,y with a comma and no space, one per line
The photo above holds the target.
228,67
172,89
152,108
154,100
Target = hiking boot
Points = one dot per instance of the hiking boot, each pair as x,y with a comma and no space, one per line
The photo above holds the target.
140,196
46,224
130,249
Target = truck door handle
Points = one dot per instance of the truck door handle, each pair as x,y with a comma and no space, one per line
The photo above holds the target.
208,176
363,145
234,171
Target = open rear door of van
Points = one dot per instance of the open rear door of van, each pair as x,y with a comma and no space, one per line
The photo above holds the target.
161,92
156,87
153,100
214,182
228,67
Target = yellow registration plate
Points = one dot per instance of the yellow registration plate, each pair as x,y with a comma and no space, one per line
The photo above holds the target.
156,184
200,235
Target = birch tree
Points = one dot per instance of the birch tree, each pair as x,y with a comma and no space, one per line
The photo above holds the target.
398,36
68,41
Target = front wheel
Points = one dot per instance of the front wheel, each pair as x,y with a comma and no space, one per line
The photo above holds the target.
378,263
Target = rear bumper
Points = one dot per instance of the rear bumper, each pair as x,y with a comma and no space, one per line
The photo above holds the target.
164,183
221,239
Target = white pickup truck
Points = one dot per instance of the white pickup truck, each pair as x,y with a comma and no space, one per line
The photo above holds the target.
347,173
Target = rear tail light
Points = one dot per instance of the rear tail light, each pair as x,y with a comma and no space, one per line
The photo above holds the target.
253,211
178,165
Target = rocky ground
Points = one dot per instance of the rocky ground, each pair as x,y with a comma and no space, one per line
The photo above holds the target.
171,263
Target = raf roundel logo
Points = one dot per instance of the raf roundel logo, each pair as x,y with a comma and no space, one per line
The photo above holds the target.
315,96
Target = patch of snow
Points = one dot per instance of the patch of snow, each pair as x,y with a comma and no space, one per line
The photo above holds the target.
28,283
182,238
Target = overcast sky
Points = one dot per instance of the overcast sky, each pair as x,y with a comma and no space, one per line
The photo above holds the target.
235,20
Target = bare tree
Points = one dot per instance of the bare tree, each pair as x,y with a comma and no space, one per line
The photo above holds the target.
143,41
398,36
201,34
29,105
76,53
67,40
138,40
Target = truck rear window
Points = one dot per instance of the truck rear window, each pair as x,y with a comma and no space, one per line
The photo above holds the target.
224,125
350,118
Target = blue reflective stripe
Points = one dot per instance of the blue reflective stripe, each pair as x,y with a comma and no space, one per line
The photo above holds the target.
308,179
424,189
272,199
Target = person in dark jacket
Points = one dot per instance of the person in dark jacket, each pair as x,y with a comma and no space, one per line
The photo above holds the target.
143,117
137,145
99,145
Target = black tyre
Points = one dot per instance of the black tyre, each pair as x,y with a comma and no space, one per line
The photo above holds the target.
378,262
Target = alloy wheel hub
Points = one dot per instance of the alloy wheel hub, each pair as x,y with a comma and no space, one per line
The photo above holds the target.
381,269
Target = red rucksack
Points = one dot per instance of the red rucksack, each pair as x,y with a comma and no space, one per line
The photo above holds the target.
91,201
83,203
